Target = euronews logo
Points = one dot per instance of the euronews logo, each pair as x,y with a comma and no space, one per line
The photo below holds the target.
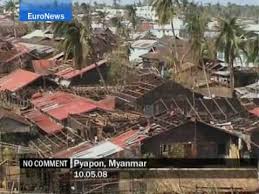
51,10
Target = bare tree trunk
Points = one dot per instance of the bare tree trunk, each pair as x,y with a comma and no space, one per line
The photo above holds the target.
175,49
101,77
232,79
14,29
206,77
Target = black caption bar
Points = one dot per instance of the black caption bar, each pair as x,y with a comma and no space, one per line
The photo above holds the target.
115,163
44,163
163,163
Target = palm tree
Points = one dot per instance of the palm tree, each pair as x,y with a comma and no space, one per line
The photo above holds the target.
10,6
229,41
116,3
251,48
165,11
85,8
101,17
132,16
119,59
196,20
76,8
77,42
121,29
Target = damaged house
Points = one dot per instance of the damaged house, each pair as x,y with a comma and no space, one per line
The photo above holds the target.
14,128
150,93
219,122
190,140
7,27
163,54
13,57
68,76
20,84
100,124
50,113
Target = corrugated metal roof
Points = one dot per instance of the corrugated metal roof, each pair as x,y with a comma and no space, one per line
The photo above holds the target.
42,66
128,138
12,54
99,151
144,44
60,104
70,152
17,80
38,33
43,122
38,47
255,111
70,72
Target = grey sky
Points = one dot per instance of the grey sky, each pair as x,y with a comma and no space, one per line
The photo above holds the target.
242,2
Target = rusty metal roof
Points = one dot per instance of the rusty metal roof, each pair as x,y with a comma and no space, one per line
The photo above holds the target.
60,104
45,123
42,66
128,138
17,80
255,111
70,72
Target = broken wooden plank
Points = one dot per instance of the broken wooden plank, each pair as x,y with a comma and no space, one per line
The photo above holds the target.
133,92
146,84
60,139
50,140
45,145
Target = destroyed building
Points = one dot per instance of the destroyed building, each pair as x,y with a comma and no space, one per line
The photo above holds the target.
68,76
13,56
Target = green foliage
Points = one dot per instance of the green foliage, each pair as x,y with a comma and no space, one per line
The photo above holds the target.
10,6
165,10
233,10
196,20
85,8
121,29
251,48
131,10
77,41
120,71
230,41
101,17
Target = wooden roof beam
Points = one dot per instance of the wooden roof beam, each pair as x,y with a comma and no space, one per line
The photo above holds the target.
231,106
190,104
206,108
147,84
220,109
134,92
50,140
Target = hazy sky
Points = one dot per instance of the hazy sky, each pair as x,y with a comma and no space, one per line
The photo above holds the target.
242,2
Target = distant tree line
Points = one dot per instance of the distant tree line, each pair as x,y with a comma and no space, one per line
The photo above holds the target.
244,11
